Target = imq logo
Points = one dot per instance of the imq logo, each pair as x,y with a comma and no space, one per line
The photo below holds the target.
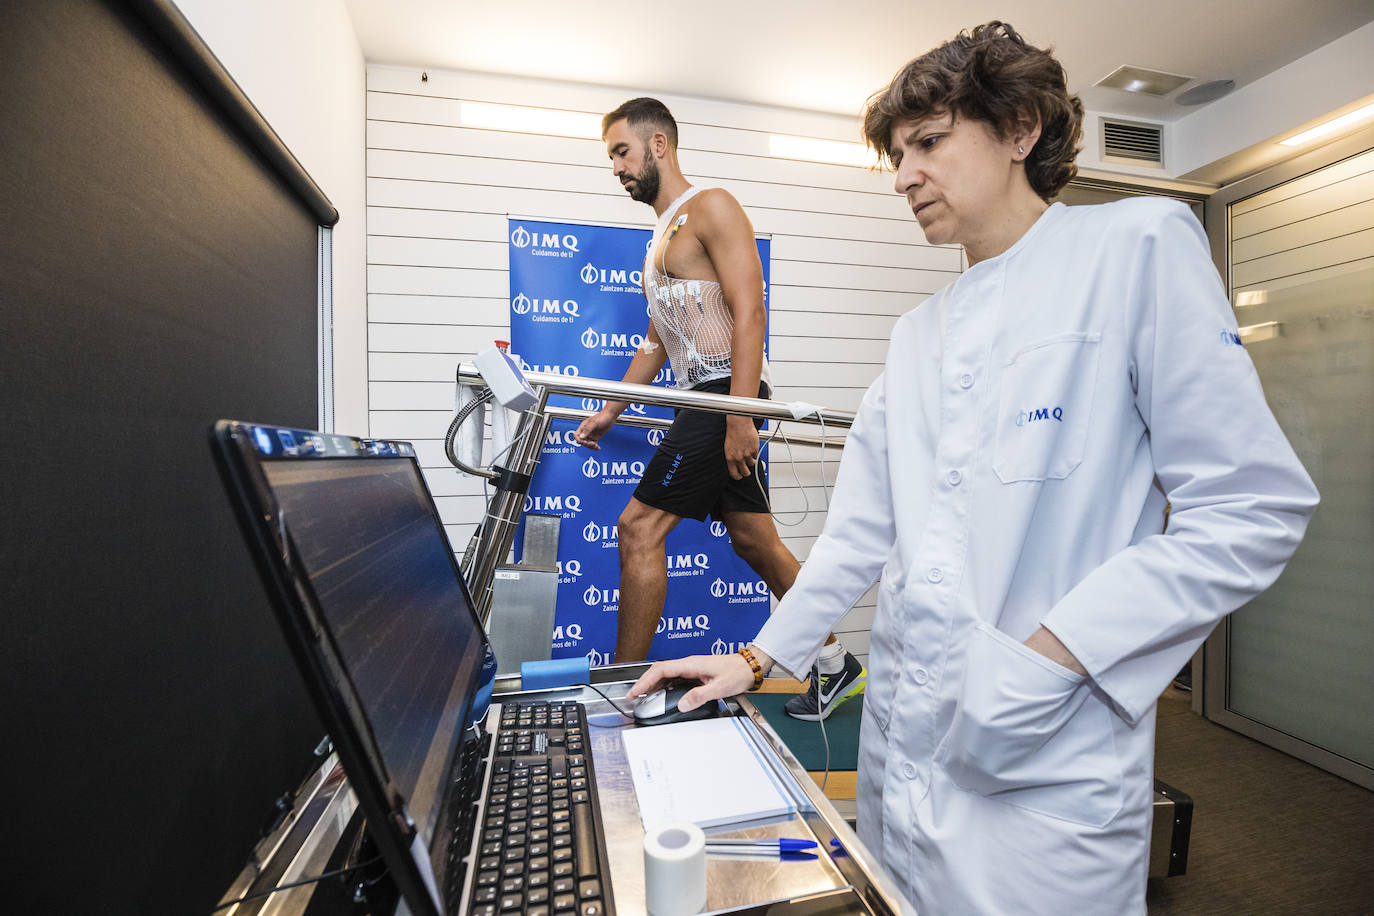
1039,413
572,631
721,647
611,276
670,624
591,468
688,561
553,368
571,503
594,340
722,589
655,437
570,568
594,596
521,237
524,305
717,529
594,532
597,659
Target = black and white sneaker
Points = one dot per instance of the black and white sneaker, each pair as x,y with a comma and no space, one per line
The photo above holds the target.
829,691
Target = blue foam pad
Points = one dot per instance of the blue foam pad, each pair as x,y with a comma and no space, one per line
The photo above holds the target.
558,672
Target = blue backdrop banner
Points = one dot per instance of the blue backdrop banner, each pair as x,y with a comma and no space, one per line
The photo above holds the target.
577,308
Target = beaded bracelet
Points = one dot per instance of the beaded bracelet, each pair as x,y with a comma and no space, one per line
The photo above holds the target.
747,654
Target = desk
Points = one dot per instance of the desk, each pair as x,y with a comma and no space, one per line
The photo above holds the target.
844,884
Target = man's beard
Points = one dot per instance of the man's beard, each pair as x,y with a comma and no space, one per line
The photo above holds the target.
646,183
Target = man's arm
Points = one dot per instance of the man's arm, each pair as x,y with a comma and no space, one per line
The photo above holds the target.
728,238
648,359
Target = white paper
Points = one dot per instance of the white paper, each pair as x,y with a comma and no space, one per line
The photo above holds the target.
708,772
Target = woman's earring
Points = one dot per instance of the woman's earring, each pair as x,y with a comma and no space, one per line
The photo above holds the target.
1021,150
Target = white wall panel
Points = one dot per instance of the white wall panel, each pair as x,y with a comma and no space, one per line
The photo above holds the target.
436,224
1343,221
1284,211
847,260
492,311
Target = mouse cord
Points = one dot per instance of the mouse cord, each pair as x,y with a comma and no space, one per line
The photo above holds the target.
816,680
614,704
282,887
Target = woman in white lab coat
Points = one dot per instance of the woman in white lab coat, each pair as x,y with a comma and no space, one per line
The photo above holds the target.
1006,481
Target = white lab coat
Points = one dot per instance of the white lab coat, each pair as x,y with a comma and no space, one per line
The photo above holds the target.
1009,469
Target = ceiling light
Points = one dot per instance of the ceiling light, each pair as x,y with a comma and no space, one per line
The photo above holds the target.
1330,127
1140,79
1256,332
839,152
530,120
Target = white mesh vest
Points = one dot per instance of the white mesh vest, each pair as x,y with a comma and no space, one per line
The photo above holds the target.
691,317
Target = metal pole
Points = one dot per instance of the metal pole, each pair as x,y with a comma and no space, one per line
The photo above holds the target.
503,515
671,397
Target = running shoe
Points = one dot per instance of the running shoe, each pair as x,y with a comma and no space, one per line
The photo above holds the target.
828,691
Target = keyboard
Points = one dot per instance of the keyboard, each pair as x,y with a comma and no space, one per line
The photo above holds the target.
542,850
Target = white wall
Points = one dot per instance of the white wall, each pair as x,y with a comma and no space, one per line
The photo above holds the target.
847,257
300,64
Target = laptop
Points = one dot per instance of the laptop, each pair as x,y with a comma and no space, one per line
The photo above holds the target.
470,818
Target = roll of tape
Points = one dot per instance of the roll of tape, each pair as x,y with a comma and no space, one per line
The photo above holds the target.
675,869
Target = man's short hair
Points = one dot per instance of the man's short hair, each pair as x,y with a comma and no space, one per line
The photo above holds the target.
644,116
991,75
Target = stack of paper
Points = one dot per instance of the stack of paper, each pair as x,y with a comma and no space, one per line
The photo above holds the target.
708,772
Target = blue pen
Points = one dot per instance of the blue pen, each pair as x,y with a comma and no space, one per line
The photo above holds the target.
775,844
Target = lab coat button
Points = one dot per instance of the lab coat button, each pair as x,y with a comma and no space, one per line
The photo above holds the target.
954,478
965,381
935,575
920,676
909,770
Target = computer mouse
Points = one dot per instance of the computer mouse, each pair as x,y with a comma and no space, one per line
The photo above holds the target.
660,706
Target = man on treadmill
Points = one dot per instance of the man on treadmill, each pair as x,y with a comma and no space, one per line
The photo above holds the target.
704,284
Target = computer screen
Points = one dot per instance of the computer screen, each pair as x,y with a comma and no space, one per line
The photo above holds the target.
365,535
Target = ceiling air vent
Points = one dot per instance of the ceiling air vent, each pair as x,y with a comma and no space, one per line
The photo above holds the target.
1132,142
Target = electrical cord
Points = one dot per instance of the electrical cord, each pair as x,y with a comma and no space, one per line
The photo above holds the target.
302,882
614,704
816,686
792,463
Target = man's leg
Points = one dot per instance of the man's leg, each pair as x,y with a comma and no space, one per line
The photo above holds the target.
643,577
755,539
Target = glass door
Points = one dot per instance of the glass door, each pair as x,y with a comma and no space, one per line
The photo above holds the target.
1295,667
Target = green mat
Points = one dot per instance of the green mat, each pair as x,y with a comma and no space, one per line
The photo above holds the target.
804,738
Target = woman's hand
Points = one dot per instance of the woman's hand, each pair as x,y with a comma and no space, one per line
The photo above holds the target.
720,675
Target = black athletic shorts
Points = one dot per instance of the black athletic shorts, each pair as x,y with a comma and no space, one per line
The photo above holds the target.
688,475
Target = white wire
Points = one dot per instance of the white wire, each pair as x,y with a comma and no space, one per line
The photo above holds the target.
816,673
791,461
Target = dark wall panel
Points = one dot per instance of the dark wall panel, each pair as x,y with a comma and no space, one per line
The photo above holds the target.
153,277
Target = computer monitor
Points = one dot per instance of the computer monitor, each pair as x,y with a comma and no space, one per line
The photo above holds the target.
363,579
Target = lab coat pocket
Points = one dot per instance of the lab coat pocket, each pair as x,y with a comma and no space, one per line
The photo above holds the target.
1030,733
884,653
1044,408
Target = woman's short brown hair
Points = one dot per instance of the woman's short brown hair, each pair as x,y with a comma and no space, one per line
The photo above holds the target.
992,75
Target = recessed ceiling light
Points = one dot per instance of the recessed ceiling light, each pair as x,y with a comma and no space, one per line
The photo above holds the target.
530,120
1254,333
1140,79
784,146
1330,127
1202,93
